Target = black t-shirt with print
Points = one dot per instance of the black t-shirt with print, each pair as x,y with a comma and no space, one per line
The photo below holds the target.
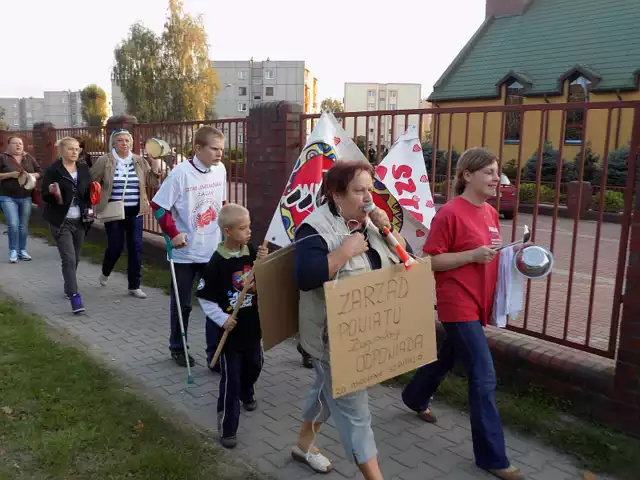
221,282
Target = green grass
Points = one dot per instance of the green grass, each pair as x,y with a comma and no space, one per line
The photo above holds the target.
64,416
533,412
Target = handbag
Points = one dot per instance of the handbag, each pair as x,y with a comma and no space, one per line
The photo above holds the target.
114,211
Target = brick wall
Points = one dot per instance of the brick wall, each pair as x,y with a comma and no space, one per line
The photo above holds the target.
44,144
273,146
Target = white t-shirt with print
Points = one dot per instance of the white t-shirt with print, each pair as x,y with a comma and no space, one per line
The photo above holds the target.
194,199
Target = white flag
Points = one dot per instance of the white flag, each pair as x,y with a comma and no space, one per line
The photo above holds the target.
408,197
327,144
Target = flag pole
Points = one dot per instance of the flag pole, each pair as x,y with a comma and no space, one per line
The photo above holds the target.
243,293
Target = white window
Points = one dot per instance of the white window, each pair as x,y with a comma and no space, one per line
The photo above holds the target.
242,106
371,106
393,94
268,91
242,75
240,139
392,106
371,93
242,91
269,74
63,100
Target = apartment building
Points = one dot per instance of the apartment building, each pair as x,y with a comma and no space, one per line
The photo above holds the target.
360,97
11,109
31,111
63,109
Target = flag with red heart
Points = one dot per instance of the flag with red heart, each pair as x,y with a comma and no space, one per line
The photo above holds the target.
405,178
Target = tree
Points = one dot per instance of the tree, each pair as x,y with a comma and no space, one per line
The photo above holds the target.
332,105
167,77
94,105
2,112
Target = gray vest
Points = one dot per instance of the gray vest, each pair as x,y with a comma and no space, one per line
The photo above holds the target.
312,312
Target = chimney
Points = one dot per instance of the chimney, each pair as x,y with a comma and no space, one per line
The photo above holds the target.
500,8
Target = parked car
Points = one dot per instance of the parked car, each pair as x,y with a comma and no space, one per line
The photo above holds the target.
507,193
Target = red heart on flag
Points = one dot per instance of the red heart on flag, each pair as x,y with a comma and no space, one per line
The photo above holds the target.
416,148
420,233
430,204
416,198
424,179
382,172
336,140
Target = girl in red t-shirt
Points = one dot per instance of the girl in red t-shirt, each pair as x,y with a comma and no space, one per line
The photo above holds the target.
466,269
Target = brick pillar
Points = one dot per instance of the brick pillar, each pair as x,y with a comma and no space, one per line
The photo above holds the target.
44,143
627,377
123,121
273,146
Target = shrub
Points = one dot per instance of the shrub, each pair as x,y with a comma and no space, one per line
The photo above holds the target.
591,169
510,169
442,157
547,194
616,170
439,187
613,201
550,159
527,192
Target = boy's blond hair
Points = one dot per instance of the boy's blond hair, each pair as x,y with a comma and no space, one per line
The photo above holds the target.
230,214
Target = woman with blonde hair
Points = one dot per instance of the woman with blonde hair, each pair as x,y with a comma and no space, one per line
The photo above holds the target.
18,173
466,271
65,193
124,178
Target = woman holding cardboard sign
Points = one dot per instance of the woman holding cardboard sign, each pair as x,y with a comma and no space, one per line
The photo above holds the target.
466,271
337,240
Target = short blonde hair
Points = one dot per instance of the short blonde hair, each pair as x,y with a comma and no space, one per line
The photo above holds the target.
203,133
116,133
230,214
63,141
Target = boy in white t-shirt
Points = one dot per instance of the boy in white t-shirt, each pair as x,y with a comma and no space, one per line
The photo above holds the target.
186,207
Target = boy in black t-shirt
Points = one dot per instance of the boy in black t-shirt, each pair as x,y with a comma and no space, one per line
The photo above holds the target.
220,285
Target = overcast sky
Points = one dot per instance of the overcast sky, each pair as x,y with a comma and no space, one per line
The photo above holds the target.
60,45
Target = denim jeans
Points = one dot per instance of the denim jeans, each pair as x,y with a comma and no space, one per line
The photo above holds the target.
69,239
17,211
467,343
131,228
186,275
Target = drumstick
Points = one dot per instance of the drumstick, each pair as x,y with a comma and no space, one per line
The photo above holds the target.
243,293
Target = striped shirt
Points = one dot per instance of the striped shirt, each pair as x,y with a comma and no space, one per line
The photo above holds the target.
132,194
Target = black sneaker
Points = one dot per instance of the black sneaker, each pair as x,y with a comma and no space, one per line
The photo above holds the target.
306,358
179,358
229,442
76,303
250,406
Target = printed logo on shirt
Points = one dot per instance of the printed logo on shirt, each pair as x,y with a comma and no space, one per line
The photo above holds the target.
238,280
203,216
496,238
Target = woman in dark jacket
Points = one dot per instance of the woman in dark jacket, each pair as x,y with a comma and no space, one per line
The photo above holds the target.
65,192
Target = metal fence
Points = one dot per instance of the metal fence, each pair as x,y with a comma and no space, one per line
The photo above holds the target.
578,305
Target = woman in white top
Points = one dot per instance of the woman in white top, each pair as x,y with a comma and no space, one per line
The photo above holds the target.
124,177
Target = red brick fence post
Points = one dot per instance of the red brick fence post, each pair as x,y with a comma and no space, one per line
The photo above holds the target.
273,146
627,377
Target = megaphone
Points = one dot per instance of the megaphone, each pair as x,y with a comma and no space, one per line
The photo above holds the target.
156,147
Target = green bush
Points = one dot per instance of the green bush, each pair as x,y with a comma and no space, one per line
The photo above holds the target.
591,168
439,187
549,165
442,158
527,192
616,170
613,201
510,169
547,194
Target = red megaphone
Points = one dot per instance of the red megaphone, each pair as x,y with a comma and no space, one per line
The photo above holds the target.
95,190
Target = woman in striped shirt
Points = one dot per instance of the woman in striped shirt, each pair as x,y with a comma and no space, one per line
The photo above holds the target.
124,177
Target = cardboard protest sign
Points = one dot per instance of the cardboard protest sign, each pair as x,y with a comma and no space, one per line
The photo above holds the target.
381,325
278,297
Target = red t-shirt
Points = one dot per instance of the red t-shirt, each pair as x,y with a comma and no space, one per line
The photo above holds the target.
466,293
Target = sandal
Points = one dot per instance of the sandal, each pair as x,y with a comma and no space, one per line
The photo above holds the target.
316,461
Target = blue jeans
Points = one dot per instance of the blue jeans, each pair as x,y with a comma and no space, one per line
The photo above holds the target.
131,228
467,343
17,211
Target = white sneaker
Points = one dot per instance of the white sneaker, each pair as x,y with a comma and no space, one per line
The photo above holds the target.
103,280
24,255
316,461
138,293
13,256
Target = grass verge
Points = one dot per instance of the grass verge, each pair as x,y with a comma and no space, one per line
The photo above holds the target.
533,412
64,416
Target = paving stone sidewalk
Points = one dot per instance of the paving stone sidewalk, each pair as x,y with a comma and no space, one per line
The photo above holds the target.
131,336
